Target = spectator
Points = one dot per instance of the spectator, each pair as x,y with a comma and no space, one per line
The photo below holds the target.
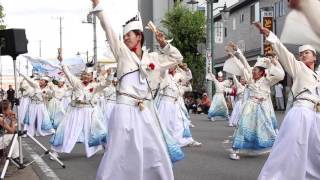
7,128
1,94
10,95
204,104
279,96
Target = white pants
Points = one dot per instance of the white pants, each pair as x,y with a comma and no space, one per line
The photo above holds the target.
280,103
5,142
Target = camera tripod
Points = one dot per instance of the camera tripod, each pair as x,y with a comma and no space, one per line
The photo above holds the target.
20,164
17,136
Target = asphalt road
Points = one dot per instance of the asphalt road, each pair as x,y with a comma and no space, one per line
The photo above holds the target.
209,162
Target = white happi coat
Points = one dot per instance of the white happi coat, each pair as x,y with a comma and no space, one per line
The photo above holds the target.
139,156
295,154
24,96
37,121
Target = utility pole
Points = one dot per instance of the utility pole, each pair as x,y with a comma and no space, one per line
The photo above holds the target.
209,51
60,20
39,48
94,23
60,35
91,19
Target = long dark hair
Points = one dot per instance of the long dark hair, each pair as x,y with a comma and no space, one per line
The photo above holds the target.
262,69
138,32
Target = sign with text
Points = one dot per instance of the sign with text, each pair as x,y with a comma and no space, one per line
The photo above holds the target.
267,22
218,32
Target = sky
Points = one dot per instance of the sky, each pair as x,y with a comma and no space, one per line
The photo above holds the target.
40,19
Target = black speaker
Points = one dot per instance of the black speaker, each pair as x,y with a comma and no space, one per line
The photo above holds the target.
13,42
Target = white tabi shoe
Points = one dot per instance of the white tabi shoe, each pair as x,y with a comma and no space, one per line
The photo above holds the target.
212,119
195,144
55,154
234,156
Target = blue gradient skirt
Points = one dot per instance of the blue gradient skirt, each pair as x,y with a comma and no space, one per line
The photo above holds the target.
256,130
218,107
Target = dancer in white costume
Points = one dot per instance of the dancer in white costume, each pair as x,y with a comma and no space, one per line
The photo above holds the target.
56,106
136,148
183,77
233,121
37,121
218,106
257,126
295,154
83,120
24,97
66,99
310,8
109,101
171,112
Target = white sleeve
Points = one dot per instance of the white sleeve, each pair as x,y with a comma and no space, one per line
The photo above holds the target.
111,35
310,9
286,58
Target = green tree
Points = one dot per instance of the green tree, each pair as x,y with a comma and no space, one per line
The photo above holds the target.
187,29
2,25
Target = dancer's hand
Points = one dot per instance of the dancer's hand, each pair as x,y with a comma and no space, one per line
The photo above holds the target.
229,51
95,2
109,71
294,4
274,60
262,29
161,38
60,55
233,45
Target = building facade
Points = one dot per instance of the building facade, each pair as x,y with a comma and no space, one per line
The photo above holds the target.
239,27
155,10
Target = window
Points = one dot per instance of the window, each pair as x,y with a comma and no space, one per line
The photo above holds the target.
225,32
241,18
254,12
234,23
280,8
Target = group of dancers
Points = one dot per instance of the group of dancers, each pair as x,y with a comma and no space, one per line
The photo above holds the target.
294,148
139,116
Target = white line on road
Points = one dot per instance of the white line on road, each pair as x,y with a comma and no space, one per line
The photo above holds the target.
47,171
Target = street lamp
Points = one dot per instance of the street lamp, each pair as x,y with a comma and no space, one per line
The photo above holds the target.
193,2
87,54
91,19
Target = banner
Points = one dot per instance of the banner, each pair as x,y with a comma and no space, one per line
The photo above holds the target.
52,68
218,32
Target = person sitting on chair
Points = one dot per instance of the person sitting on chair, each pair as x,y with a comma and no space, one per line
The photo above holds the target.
8,124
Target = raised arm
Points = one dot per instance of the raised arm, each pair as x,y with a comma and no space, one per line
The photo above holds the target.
169,56
111,35
74,81
32,83
276,73
242,58
236,82
106,81
286,58
211,77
